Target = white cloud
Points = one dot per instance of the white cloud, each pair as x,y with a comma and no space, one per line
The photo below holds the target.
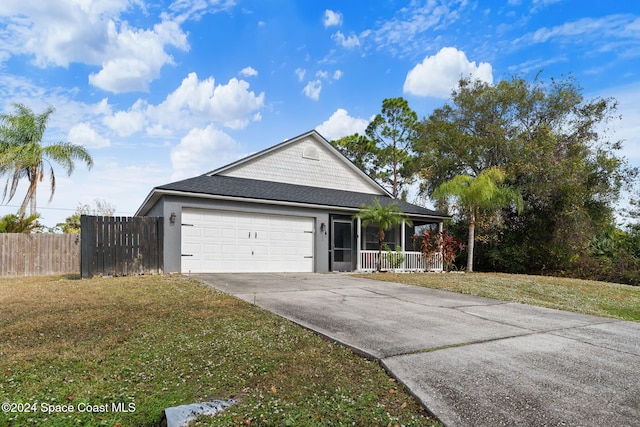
159,131
322,74
194,103
58,32
341,124
437,75
102,107
616,34
536,64
248,72
126,123
84,134
300,73
337,75
136,57
594,30
332,18
202,150
195,9
312,89
541,3
570,29
347,42
408,31
229,104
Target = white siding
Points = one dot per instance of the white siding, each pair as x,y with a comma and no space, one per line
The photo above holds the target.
296,163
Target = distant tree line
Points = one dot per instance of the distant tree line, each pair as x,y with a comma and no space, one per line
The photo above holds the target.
554,157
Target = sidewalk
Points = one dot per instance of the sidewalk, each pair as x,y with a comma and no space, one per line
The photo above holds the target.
471,361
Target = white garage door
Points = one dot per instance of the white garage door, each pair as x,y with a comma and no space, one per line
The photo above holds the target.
235,242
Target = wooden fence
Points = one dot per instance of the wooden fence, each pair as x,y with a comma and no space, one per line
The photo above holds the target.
39,254
120,246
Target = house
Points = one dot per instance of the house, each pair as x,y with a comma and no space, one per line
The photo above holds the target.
288,208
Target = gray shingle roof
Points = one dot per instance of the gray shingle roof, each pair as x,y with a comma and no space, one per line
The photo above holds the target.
276,191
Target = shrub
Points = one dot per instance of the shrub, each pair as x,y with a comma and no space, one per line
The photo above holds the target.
431,242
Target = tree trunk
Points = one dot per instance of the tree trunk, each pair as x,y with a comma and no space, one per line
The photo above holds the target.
30,197
395,171
380,244
472,232
32,206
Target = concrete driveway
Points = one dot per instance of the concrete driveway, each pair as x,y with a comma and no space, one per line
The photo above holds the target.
471,361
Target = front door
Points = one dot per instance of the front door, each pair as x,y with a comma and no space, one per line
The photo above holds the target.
341,245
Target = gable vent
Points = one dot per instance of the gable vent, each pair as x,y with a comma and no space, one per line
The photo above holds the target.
311,153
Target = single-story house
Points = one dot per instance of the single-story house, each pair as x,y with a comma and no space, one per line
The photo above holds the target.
288,208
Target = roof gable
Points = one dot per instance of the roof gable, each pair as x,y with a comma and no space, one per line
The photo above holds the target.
307,160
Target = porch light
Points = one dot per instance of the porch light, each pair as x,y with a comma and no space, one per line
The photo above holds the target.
172,218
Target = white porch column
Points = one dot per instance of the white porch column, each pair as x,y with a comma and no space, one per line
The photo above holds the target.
402,241
440,230
358,243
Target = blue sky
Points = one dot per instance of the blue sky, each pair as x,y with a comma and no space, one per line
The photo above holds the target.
160,91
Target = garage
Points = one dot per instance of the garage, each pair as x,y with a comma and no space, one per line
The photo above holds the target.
287,208
216,241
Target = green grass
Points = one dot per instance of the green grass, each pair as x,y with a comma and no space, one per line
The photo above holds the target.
158,341
581,296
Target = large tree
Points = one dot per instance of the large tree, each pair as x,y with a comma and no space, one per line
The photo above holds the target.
394,131
385,152
552,144
474,195
22,154
362,151
385,217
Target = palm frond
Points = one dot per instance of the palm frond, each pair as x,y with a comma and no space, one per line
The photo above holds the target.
23,155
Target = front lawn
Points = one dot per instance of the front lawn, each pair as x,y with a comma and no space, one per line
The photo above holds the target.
141,344
582,296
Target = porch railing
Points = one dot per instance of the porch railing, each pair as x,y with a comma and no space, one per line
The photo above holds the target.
403,261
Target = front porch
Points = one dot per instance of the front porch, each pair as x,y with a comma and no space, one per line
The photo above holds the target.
355,248
400,261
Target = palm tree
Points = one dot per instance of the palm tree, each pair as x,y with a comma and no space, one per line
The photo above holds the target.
19,223
484,192
385,217
22,154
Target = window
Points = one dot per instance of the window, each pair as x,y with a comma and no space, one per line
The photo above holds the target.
417,230
371,238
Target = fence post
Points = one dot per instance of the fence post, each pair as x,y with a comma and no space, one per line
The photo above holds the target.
87,245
